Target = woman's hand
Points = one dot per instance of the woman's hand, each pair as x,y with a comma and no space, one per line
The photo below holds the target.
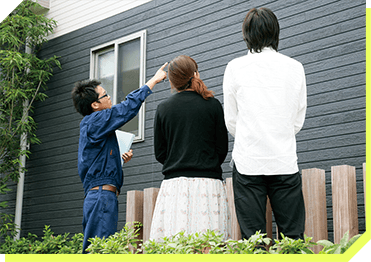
127,156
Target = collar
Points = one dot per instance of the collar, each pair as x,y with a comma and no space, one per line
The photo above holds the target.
264,50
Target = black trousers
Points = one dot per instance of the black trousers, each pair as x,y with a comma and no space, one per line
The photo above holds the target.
286,197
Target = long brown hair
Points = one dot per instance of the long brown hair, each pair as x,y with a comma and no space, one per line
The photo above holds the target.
181,73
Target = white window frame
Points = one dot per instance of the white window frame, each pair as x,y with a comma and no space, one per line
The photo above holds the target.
142,72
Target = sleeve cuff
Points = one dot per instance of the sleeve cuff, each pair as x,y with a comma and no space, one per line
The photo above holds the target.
147,90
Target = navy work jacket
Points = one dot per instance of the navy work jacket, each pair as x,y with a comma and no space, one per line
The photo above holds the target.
99,160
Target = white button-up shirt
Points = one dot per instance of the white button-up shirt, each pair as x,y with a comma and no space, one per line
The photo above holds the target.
265,101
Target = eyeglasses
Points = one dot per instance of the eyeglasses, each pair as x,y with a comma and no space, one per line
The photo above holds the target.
102,96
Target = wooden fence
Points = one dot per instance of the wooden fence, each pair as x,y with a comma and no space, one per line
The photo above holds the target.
141,204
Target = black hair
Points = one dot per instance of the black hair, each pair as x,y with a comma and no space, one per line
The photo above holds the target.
84,94
261,29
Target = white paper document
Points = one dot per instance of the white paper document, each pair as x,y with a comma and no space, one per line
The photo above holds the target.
125,140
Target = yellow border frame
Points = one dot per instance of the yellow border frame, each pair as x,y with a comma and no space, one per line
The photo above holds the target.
347,256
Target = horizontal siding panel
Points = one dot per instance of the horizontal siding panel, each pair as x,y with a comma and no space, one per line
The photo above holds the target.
329,131
74,213
335,73
53,202
56,146
69,171
333,119
51,138
207,37
341,106
48,162
332,142
50,167
335,62
47,129
333,156
66,221
60,193
305,11
336,90
332,18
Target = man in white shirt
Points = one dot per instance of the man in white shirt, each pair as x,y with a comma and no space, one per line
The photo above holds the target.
265,104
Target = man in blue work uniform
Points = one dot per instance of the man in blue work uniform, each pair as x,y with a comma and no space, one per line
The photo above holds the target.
99,163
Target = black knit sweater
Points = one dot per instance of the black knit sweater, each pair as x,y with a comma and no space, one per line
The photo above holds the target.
190,136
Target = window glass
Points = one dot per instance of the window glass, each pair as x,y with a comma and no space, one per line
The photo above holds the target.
106,69
129,77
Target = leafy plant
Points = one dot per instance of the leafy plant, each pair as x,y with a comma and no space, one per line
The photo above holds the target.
331,248
209,242
21,246
181,243
256,244
292,246
123,242
49,244
23,76
74,246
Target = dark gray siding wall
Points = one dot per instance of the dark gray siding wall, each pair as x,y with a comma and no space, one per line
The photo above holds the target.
327,36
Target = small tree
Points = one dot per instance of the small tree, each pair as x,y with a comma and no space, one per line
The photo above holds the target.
23,77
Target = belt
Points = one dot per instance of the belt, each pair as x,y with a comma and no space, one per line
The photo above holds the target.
108,188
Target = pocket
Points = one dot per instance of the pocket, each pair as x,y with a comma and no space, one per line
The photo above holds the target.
89,205
109,202
109,213
113,162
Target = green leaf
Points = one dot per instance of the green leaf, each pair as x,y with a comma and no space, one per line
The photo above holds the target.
352,240
337,249
344,240
307,251
325,243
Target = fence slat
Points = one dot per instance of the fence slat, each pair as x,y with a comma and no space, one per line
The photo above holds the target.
150,196
134,208
269,220
314,192
236,233
344,201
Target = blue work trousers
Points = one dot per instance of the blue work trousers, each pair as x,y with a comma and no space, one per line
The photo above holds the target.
100,215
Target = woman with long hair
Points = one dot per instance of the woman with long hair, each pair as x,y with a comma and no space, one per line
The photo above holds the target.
191,141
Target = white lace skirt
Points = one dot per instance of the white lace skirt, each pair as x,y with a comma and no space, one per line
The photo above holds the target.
191,205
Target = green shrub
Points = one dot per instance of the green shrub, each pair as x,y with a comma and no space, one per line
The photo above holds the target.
21,246
123,242
292,246
256,244
331,248
210,242
48,244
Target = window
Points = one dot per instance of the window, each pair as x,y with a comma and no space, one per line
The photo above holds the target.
120,66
